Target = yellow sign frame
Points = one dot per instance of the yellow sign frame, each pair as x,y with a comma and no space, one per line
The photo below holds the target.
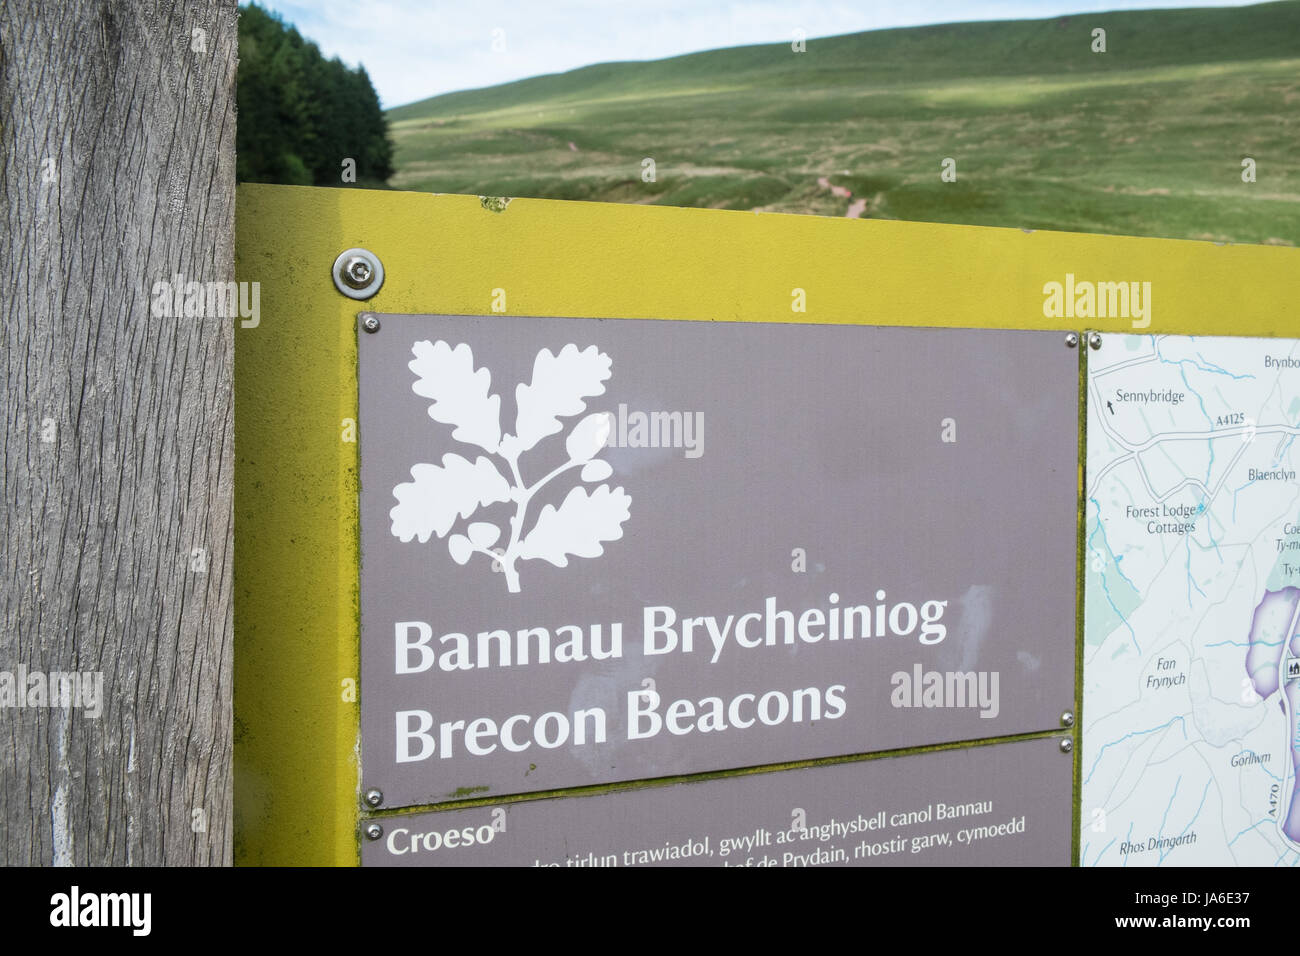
297,790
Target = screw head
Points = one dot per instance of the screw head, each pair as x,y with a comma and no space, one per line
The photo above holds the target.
358,273
1066,745
374,797
1071,339
374,831
1095,340
370,324
1067,719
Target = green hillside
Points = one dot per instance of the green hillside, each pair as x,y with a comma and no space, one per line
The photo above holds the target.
1145,139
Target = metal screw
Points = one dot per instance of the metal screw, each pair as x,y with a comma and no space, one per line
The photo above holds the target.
370,324
1067,719
1066,745
358,273
374,797
374,831
1071,339
1095,340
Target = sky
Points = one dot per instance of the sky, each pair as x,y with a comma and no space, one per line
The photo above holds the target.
414,49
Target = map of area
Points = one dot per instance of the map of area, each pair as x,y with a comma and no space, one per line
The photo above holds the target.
1190,738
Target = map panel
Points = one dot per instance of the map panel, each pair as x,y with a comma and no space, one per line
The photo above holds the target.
1192,595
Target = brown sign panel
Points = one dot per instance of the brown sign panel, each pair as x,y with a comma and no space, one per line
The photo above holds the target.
966,807
597,551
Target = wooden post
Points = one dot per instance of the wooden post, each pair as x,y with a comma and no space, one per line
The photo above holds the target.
117,158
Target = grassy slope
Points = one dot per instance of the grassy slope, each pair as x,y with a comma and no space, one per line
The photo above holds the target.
1146,139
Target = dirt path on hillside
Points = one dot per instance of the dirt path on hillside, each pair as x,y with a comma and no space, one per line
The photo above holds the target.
856,208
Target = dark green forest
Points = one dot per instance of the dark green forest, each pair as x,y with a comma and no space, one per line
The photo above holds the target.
301,115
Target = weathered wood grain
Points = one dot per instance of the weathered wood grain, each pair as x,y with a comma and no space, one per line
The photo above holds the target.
117,142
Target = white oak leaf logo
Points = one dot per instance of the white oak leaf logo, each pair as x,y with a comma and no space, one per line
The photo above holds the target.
460,394
578,527
442,494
